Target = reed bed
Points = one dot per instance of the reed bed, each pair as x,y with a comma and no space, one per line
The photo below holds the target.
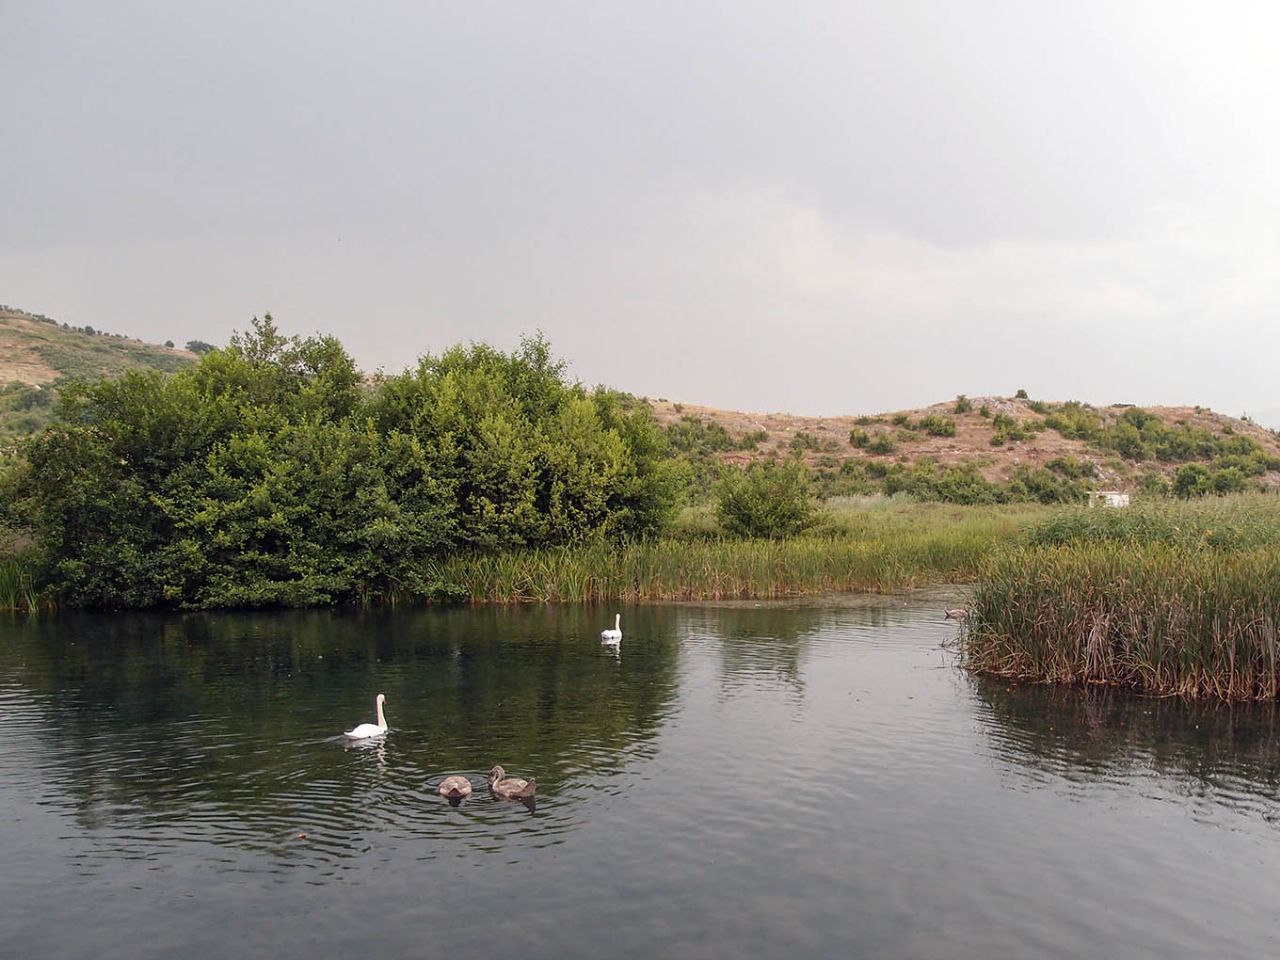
669,569
18,590
1170,601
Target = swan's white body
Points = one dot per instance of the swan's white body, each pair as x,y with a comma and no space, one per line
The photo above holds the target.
614,635
368,730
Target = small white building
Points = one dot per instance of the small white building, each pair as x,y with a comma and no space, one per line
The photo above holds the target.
1108,498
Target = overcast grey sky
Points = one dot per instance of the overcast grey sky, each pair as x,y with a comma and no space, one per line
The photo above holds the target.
816,207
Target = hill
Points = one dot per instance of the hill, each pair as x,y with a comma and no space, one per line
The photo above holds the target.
38,353
1001,440
965,450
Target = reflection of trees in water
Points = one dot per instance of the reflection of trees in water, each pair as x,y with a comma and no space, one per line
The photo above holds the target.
765,646
1094,732
151,715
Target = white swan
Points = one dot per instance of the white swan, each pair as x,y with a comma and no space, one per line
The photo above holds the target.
367,730
614,635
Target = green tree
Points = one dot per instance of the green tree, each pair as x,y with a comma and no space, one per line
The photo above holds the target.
1191,480
766,499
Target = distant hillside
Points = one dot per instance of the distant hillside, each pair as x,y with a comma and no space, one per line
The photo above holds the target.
999,439
964,450
37,353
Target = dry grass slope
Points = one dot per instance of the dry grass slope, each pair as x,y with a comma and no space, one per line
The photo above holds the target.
824,439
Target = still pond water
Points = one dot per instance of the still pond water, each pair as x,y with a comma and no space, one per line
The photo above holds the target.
815,779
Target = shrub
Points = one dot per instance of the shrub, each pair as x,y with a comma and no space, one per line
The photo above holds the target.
963,404
859,438
1043,486
1154,484
1071,468
881,444
1074,420
937,426
803,440
1020,395
1191,480
697,437
927,480
769,500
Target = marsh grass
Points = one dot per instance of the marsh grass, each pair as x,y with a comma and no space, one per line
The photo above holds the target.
1177,599
874,545
18,590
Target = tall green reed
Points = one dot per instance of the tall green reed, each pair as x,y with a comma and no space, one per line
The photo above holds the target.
1170,599
18,589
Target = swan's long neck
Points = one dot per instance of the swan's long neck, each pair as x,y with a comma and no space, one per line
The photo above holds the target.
382,721
617,621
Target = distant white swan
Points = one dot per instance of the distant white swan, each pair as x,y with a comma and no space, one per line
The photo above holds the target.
367,730
614,635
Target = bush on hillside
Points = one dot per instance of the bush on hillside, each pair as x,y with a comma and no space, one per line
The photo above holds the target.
768,499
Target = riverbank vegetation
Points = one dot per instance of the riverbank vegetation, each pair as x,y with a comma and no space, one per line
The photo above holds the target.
1165,597
875,545
268,474
272,473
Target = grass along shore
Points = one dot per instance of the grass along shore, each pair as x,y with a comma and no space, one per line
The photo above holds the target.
872,544
868,544
1168,599
18,590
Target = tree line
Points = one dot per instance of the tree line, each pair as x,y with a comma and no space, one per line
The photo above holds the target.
270,473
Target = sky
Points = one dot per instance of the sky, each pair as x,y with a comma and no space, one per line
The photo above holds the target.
814,208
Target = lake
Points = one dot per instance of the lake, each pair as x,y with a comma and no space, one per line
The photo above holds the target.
770,780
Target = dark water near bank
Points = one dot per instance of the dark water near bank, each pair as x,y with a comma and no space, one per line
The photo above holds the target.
809,780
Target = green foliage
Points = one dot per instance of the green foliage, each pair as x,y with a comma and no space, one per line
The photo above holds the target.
901,419
1234,523
881,444
1169,597
24,409
803,441
1071,468
847,479
937,426
766,499
1007,429
266,475
71,354
928,480
1158,618
694,436
1075,421
1154,484
1196,480
859,438
1042,485
963,404
877,545
1020,395
199,347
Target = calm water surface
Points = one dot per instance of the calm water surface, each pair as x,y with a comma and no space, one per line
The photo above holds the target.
739,780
